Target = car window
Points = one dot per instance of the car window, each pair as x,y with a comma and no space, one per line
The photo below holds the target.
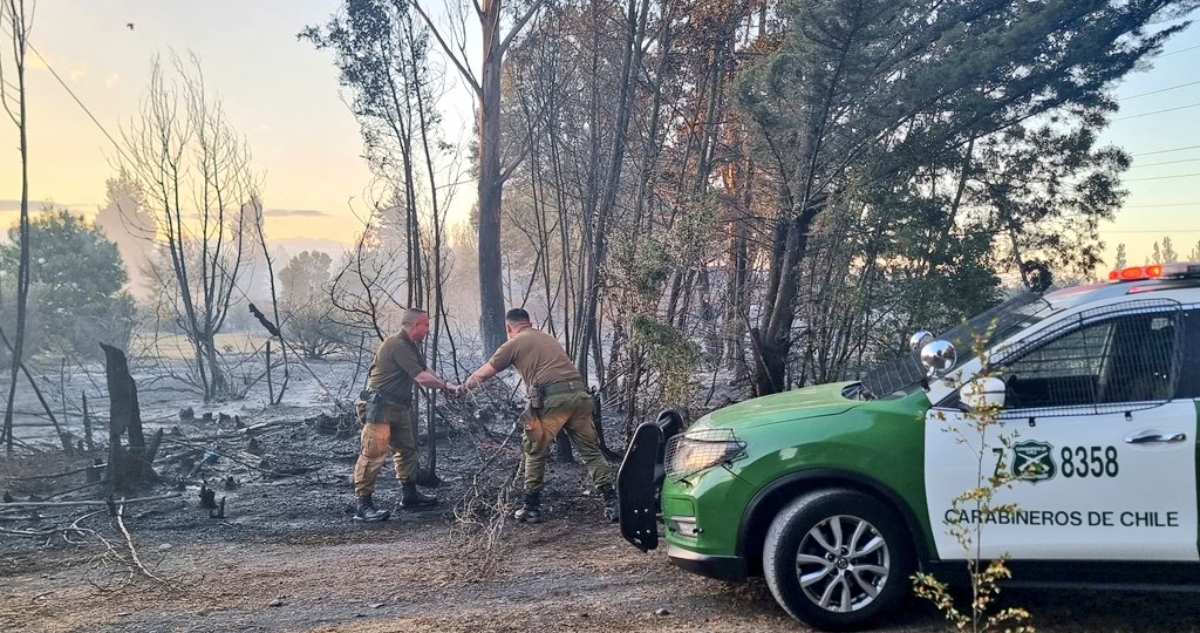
1189,370
1064,372
1103,365
995,324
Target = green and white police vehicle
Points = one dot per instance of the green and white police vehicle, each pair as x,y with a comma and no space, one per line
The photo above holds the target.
838,493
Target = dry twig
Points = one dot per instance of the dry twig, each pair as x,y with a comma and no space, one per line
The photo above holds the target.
482,511
83,502
133,553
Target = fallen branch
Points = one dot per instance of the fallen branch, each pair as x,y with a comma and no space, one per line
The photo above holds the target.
83,502
73,528
133,550
166,459
55,475
250,430
290,472
481,514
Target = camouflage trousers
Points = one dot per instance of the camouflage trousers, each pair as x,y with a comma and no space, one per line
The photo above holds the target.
395,433
570,411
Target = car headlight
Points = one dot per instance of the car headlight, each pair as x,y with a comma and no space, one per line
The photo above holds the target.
693,451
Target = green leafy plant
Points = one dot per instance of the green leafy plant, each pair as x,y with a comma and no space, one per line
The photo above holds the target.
991,476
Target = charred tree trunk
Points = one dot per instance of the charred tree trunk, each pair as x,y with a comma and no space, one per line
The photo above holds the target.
491,182
128,467
19,23
491,174
87,427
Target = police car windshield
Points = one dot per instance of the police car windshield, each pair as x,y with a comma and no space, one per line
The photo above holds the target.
990,326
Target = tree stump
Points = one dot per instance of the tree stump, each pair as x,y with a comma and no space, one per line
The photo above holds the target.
128,467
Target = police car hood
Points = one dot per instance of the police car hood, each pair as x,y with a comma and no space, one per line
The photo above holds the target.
789,406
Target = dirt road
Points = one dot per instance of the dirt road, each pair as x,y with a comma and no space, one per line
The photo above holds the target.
572,573
286,558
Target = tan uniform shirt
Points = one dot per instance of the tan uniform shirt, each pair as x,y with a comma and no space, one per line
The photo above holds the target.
397,361
538,358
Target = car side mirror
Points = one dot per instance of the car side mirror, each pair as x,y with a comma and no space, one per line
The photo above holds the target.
938,358
984,393
919,340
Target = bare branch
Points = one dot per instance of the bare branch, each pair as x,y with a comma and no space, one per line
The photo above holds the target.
458,62
520,24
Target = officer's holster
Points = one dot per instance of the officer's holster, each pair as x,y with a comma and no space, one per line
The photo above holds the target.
372,402
534,430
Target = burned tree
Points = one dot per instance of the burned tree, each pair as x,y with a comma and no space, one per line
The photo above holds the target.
492,173
382,51
128,466
194,170
17,19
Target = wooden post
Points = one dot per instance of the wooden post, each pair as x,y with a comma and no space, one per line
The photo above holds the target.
270,383
64,436
87,426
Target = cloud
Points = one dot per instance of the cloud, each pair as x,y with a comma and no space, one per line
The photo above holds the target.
294,213
35,62
112,80
75,74
38,205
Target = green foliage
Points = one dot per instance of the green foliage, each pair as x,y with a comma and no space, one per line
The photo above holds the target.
381,50
650,268
304,279
77,293
691,233
307,313
1163,252
962,134
316,333
672,356
645,263
933,274
641,269
1044,191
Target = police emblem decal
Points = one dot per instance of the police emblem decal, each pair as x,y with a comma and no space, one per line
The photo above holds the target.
1033,461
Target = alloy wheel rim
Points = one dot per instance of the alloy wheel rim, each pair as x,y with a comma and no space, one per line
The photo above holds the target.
843,563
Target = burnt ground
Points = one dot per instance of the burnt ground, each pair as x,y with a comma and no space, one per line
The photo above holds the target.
287,558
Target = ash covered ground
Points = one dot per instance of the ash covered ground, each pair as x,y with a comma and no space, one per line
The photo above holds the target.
286,557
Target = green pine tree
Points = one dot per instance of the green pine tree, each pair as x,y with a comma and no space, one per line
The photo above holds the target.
78,285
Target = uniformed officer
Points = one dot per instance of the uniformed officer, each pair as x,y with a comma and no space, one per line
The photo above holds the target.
558,399
390,424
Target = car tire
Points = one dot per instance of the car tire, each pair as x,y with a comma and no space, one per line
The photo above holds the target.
837,559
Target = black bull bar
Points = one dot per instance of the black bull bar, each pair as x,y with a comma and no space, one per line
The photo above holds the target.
640,479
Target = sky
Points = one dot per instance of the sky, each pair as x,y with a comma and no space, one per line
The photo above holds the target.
284,96
281,93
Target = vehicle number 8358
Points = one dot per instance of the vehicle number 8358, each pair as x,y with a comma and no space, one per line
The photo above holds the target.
1089,461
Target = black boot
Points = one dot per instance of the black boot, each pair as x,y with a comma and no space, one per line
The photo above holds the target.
610,502
531,510
411,498
367,512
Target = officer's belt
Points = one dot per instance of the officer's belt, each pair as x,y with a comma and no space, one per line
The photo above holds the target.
392,401
565,386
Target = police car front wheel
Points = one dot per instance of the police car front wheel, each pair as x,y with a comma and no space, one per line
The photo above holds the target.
837,559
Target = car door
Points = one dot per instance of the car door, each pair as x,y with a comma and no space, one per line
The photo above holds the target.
1096,432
